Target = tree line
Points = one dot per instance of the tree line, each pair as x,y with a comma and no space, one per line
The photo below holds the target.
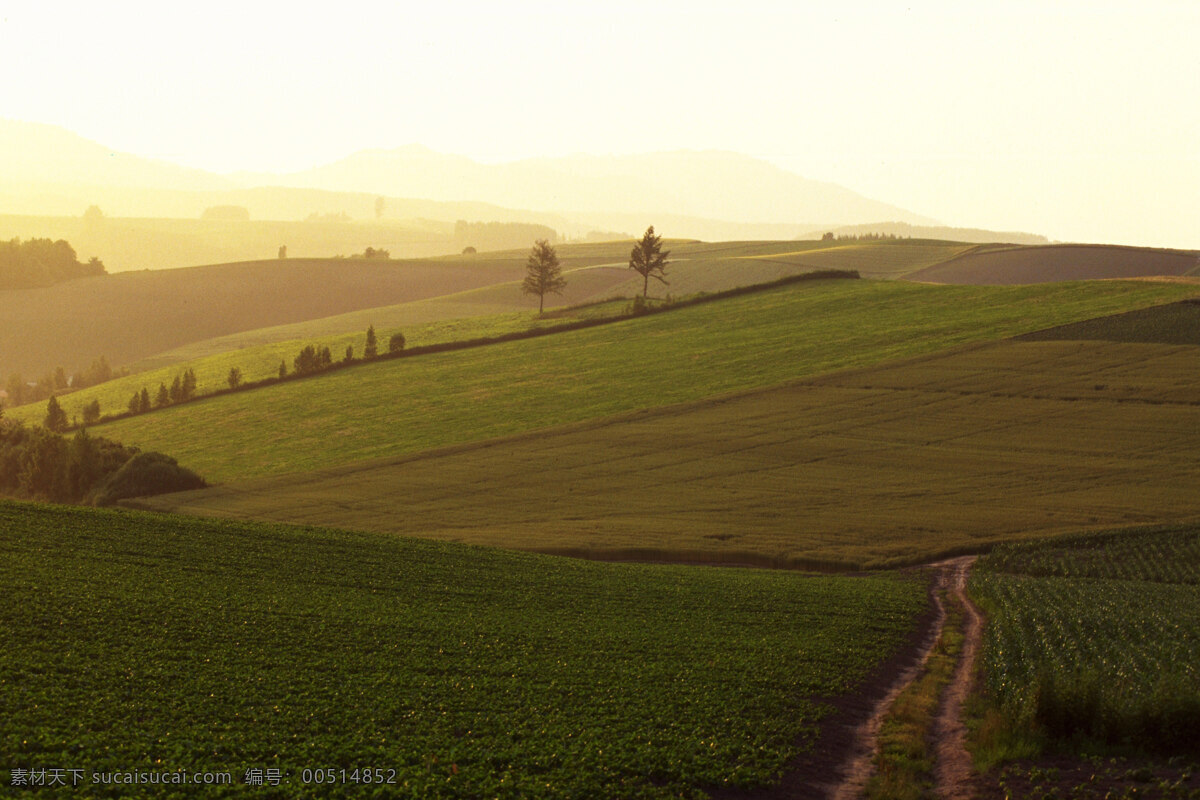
42,262
57,382
500,235
182,389
309,360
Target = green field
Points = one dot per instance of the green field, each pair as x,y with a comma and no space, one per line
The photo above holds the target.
448,322
745,342
145,642
894,464
1097,637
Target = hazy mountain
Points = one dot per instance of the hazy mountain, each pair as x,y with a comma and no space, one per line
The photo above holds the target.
708,184
31,152
705,195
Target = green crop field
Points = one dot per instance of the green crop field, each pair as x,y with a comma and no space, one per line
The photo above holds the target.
893,464
738,343
151,643
1098,636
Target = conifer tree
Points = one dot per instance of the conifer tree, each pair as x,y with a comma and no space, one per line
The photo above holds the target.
372,348
543,273
56,418
649,260
189,384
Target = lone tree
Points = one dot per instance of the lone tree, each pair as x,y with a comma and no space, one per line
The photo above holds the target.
649,260
542,273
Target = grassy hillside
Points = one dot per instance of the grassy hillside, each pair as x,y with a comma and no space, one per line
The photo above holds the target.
130,316
152,643
594,272
155,318
739,343
1018,265
257,354
894,464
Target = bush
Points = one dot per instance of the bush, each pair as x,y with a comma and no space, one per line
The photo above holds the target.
396,343
147,474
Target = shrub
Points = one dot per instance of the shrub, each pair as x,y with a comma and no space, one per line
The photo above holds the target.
147,474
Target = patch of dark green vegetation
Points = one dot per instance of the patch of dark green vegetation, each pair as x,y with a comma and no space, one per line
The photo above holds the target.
1094,641
36,463
149,642
42,262
1173,323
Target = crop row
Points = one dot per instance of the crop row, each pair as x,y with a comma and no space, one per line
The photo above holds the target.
1111,653
1164,555
152,642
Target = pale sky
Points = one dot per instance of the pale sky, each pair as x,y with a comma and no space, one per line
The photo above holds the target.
1078,120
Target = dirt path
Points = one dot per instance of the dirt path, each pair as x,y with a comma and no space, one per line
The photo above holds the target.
953,769
861,763
952,772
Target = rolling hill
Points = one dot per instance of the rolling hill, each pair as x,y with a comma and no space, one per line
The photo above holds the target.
752,341
1006,266
152,319
130,316
900,463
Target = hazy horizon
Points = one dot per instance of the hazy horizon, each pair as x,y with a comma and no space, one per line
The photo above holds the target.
1067,119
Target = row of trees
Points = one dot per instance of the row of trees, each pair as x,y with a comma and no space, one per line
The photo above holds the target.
57,383
314,359
543,272
182,389
310,359
860,237
42,262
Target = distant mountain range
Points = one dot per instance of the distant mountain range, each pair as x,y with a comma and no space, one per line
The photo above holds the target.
709,184
34,153
710,195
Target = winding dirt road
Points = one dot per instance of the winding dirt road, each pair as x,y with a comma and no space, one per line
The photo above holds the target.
953,767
